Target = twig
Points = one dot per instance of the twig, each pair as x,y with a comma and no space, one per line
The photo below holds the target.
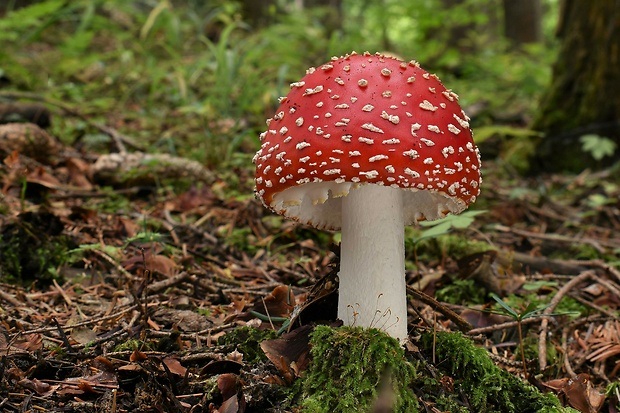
502,326
10,299
110,260
505,361
82,323
611,270
62,292
177,225
562,292
167,283
567,366
590,304
596,244
460,322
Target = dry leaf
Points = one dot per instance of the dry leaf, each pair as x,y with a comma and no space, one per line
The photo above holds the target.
41,388
289,353
83,335
234,401
138,356
579,393
174,365
29,342
79,173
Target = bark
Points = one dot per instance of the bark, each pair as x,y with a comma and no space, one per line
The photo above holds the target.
583,96
522,21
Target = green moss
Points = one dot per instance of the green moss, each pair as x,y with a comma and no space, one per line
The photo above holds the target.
32,247
462,292
487,387
247,341
350,366
440,246
129,345
240,238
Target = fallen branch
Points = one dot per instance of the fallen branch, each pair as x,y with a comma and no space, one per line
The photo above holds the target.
460,322
596,244
562,292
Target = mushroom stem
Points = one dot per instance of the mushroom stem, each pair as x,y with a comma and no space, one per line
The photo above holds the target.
372,291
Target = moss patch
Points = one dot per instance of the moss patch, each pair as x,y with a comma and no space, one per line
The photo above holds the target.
351,366
487,387
247,341
32,247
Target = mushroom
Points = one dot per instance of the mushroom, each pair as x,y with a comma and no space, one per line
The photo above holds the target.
367,144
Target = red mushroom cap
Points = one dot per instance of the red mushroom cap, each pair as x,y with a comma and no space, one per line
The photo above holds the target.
367,119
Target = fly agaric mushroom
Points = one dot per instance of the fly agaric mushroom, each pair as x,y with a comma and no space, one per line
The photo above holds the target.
367,144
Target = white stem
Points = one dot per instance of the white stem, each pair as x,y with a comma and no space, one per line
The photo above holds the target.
372,290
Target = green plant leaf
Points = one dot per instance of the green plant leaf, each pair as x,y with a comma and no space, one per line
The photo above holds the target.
485,132
448,223
597,146
509,310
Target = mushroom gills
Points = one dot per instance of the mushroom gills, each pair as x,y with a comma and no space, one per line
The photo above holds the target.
319,203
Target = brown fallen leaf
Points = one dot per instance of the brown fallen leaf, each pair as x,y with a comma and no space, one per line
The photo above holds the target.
43,177
230,389
289,353
83,335
279,304
40,388
29,342
479,318
579,393
174,365
137,355
230,405
79,173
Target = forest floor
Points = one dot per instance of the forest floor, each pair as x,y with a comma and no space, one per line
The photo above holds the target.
138,273
127,295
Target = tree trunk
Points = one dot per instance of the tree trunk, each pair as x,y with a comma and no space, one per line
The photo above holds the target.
522,21
584,96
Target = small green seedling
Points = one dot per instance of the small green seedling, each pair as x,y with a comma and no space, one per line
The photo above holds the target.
530,311
445,225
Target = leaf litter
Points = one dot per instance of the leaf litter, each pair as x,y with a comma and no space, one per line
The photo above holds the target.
157,292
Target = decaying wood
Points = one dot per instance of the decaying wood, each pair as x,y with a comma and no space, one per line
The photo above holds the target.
147,169
30,140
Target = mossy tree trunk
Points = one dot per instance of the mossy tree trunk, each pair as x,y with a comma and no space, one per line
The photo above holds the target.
584,96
